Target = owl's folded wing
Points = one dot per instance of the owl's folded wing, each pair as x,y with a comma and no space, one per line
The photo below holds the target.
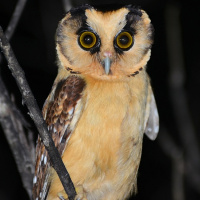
152,124
61,112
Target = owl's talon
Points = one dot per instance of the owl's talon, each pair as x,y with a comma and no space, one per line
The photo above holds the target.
80,194
62,195
61,198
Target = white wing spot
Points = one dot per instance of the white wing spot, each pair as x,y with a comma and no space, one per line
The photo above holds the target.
54,130
40,194
45,160
66,126
149,129
42,157
35,180
61,139
71,111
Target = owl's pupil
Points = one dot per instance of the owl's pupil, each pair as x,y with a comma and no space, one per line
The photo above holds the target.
124,40
88,39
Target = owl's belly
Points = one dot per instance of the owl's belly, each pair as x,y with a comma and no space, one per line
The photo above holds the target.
98,154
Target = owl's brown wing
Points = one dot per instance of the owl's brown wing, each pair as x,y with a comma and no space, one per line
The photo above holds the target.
59,111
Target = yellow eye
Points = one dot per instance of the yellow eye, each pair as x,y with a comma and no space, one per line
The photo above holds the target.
87,40
124,40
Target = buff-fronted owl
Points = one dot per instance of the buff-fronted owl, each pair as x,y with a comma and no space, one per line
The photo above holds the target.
100,105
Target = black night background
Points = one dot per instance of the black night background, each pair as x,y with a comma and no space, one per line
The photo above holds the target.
170,165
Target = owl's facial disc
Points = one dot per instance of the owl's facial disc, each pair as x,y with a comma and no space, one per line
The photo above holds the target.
105,45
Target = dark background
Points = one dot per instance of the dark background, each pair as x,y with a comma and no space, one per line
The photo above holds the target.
174,69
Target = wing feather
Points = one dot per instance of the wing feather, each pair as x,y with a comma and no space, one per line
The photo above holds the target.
152,124
58,112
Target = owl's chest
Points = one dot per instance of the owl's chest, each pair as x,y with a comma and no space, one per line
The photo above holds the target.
109,112
103,136
106,107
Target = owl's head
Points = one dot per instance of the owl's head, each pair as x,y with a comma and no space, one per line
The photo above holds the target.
104,45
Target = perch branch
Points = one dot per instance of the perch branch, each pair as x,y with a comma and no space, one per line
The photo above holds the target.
36,115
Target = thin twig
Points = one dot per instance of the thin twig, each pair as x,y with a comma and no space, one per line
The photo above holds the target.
36,115
67,5
15,18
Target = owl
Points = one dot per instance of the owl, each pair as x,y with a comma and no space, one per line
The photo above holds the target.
100,105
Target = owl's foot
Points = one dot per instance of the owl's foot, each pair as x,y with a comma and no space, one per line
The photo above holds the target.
80,194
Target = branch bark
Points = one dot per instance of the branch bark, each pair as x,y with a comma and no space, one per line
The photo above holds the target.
67,5
14,127
36,115
15,18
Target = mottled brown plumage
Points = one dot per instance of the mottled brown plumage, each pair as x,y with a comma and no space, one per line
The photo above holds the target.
59,115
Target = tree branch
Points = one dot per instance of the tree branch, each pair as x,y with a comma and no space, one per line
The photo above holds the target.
36,115
15,18
67,5
13,127
17,133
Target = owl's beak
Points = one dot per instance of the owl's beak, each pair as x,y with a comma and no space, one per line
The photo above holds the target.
107,62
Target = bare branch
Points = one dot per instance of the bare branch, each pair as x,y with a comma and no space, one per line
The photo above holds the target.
36,115
67,5
15,135
15,18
